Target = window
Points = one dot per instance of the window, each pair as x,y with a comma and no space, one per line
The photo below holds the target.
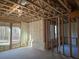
15,34
55,31
4,34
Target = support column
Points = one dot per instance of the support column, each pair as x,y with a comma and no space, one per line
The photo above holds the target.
10,36
62,32
59,42
46,34
78,34
57,33
69,36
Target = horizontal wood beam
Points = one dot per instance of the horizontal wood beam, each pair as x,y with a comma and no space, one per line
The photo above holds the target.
74,14
64,5
77,1
29,15
77,19
23,7
40,7
18,19
15,7
28,8
53,8
9,19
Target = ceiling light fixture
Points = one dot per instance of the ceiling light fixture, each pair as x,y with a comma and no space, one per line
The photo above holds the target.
24,2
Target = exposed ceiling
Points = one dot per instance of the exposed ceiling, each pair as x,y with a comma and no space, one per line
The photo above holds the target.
32,10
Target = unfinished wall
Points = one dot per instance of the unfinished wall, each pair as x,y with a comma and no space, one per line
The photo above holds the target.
73,32
73,29
24,36
36,35
32,34
24,33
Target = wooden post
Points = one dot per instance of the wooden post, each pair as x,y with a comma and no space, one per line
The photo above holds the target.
20,34
51,23
62,32
45,43
46,34
54,33
10,36
57,33
69,36
78,34
59,42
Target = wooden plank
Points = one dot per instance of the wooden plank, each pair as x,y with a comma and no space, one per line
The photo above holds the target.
46,34
39,7
59,36
65,6
74,14
62,32
57,33
15,7
9,19
52,8
10,36
11,11
69,36
23,7
78,34
54,34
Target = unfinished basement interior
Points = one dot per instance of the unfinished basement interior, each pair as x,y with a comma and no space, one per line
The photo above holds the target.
39,29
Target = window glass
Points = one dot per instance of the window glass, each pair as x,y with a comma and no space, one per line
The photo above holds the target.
4,34
15,34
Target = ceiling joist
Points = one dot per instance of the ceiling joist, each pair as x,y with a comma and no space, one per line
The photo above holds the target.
23,7
35,9
64,5
53,8
44,10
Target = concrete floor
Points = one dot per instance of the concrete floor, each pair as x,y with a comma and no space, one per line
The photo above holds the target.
30,53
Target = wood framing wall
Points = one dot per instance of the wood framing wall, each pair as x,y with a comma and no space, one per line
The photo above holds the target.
61,21
49,42
69,30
